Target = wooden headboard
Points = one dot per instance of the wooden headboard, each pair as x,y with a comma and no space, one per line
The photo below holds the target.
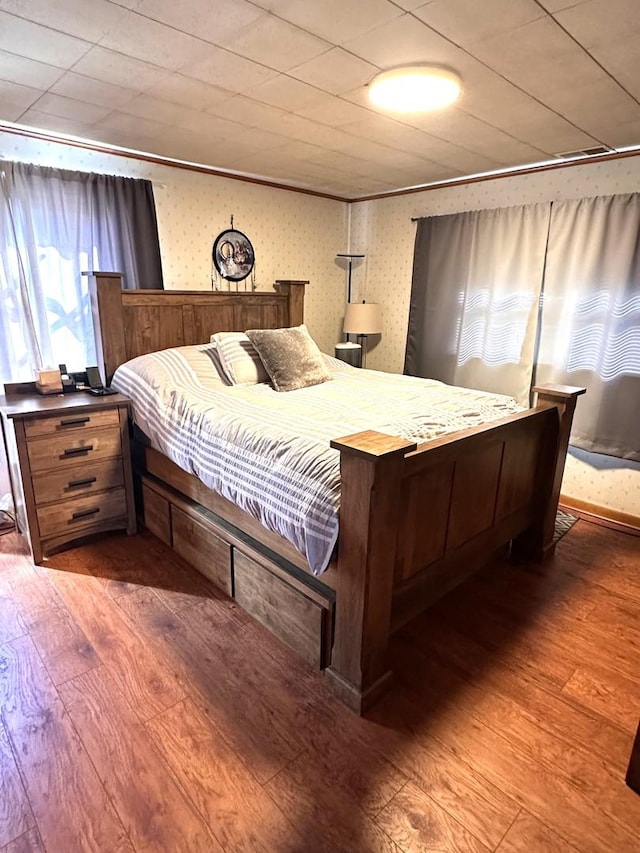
128,323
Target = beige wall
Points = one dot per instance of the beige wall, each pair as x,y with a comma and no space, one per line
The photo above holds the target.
295,236
383,230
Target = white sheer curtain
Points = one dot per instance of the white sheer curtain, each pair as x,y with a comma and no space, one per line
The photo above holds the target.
590,331
21,311
475,296
56,224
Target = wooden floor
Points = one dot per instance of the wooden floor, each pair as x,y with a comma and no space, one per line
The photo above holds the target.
142,711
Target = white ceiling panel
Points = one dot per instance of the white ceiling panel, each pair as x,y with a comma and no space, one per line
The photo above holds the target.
300,129
553,137
252,139
278,88
205,126
596,104
556,5
465,20
15,95
146,128
602,22
57,124
188,92
424,174
287,94
111,67
539,58
11,112
69,108
335,112
405,40
156,109
467,162
624,65
468,132
29,39
277,44
89,21
92,91
412,5
150,41
335,71
624,135
336,21
219,22
249,113
28,72
229,71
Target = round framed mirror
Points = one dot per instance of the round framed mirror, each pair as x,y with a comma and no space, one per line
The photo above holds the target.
233,255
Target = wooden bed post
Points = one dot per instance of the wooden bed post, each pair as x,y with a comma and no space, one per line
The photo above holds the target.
371,472
294,291
105,293
538,542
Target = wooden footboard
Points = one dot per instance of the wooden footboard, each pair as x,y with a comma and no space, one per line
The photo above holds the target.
416,522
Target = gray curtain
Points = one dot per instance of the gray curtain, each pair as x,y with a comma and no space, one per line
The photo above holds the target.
590,329
544,293
56,224
477,278
108,218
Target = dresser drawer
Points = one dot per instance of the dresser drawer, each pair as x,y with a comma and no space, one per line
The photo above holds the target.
78,480
73,421
90,511
65,451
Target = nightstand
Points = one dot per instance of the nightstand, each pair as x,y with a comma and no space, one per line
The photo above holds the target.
70,466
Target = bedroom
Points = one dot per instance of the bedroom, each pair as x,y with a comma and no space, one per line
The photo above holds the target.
299,239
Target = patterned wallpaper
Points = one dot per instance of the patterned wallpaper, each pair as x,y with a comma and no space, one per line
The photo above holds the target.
383,230
298,236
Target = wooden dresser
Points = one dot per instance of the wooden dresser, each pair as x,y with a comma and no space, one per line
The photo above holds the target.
70,466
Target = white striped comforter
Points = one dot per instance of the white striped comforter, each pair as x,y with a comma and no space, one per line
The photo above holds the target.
268,452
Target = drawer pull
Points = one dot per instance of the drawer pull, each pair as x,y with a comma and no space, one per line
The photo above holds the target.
81,513
75,484
74,421
72,451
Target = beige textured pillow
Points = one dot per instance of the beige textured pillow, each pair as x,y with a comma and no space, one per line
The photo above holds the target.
238,359
290,356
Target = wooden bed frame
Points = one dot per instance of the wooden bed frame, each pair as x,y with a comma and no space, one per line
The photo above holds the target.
414,522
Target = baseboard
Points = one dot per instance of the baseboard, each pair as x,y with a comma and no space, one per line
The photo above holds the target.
604,515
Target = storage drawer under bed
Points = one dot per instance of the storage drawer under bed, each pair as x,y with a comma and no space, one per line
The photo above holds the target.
289,614
206,552
296,609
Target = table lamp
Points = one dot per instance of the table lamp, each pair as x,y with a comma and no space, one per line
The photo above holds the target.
362,319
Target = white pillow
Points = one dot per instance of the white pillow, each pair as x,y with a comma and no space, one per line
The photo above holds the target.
239,359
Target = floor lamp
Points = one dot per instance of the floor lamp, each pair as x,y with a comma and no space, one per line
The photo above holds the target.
362,319
350,259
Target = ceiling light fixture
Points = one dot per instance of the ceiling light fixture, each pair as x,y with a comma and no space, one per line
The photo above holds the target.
415,88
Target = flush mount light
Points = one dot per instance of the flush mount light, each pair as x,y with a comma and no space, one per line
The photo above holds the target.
415,88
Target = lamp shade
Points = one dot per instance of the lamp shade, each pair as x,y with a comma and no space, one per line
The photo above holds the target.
362,318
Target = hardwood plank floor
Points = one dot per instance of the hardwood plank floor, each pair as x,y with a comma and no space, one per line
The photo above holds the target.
142,711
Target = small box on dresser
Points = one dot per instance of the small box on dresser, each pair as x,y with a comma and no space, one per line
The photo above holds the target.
70,466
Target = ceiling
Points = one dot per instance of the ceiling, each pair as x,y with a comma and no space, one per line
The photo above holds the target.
278,88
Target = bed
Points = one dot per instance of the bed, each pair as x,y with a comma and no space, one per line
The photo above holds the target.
482,489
